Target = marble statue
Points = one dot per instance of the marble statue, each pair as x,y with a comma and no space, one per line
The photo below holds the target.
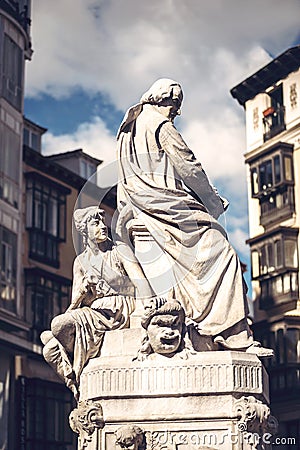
105,287
166,188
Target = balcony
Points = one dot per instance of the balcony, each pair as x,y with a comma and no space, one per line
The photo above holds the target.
273,121
285,380
277,205
43,247
279,289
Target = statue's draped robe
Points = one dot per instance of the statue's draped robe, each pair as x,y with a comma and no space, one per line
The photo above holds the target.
168,190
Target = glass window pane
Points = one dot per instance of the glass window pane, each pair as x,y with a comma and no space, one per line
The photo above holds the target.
292,340
278,254
255,263
277,171
263,261
269,173
271,261
290,253
288,168
254,181
26,137
262,177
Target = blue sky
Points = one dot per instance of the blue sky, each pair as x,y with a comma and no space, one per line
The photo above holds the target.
94,58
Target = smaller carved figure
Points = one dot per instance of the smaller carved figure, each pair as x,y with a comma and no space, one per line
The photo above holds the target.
166,332
131,437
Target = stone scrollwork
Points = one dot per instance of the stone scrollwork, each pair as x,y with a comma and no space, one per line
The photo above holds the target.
254,416
84,420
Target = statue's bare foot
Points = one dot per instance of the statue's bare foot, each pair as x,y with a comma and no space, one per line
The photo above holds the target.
258,350
255,348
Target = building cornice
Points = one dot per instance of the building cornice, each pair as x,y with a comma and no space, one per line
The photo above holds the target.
278,69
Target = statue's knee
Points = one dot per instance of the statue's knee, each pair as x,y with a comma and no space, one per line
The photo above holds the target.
60,324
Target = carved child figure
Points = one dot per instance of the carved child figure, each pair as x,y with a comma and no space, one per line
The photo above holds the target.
130,437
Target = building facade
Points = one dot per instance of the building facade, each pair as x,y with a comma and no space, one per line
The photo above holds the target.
15,48
271,99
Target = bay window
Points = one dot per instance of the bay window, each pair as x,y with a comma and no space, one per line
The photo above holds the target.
45,217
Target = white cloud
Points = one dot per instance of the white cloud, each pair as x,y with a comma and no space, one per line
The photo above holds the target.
238,239
119,49
93,137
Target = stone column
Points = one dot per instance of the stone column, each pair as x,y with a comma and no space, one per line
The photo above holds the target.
155,263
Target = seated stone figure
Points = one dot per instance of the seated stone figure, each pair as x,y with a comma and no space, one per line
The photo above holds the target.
167,190
105,279
131,437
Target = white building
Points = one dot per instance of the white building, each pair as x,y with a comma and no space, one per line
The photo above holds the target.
271,98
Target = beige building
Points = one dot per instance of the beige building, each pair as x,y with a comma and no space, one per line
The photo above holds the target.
15,48
271,98
37,200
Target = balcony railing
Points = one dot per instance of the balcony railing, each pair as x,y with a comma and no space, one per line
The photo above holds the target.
278,205
43,247
273,122
284,380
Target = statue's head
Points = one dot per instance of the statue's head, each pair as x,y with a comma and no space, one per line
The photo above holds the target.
130,437
90,223
165,92
165,326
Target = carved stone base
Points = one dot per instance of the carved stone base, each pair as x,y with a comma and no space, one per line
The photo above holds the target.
212,400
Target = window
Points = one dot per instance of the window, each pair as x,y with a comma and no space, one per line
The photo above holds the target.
10,155
273,120
272,182
292,340
12,78
86,169
46,296
274,258
8,260
45,217
44,409
290,253
31,139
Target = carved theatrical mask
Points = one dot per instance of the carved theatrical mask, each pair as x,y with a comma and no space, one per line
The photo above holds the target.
165,333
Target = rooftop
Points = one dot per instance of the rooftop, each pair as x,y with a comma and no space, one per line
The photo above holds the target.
278,69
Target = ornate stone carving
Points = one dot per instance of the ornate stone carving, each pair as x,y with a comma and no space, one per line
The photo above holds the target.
84,420
254,416
131,437
255,118
293,95
166,333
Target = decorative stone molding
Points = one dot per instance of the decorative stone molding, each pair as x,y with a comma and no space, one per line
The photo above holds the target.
254,416
158,377
84,420
293,95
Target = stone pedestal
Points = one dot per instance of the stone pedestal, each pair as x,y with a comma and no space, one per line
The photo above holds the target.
211,400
